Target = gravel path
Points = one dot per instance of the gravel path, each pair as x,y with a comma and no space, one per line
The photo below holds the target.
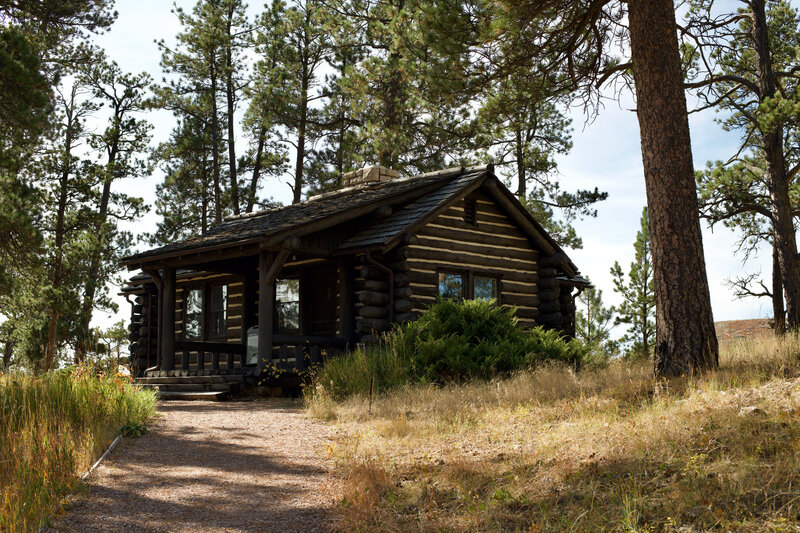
209,466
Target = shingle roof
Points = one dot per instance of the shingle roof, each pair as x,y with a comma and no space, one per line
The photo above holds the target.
263,224
386,230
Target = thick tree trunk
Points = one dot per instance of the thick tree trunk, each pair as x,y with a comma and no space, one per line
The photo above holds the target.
778,310
301,142
685,339
775,172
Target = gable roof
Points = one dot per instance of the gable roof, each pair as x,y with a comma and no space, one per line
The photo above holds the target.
421,197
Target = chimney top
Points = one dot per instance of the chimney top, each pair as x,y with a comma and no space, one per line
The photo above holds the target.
369,174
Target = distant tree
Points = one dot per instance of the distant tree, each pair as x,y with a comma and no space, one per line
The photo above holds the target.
594,322
745,64
638,299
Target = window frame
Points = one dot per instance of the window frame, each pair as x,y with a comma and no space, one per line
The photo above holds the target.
300,320
209,307
205,288
468,286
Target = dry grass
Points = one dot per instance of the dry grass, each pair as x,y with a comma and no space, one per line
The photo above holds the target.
605,450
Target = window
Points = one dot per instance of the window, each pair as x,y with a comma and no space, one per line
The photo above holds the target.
471,211
451,285
219,310
484,288
287,304
193,314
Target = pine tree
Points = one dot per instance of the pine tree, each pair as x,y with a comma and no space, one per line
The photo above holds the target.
638,298
594,322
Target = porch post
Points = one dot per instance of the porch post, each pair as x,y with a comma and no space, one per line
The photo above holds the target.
168,320
346,293
268,267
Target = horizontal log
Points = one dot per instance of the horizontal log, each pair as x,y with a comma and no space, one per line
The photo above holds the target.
367,325
554,260
549,307
223,347
405,317
473,260
371,272
319,340
399,253
549,295
370,339
403,292
400,266
136,309
521,252
431,290
548,283
527,300
371,285
547,272
371,311
550,318
373,298
526,287
403,306
474,236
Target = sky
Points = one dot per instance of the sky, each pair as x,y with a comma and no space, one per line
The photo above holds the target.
606,154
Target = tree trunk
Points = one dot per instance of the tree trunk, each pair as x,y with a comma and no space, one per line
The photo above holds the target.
8,352
252,193
229,94
685,339
215,145
301,140
521,178
90,287
778,310
775,172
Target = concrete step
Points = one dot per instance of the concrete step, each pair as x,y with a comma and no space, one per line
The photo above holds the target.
207,395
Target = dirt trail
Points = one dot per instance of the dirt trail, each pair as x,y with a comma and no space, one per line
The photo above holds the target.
208,466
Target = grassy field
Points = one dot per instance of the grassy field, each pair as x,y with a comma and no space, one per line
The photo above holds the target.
553,450
52,429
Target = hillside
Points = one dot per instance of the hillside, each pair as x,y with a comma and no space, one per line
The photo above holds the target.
556,451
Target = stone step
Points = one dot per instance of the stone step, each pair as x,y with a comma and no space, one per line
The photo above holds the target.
208,395
189,379
193,387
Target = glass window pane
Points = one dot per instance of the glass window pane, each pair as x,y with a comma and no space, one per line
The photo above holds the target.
287,303
451,286
219,310
484,288
193,314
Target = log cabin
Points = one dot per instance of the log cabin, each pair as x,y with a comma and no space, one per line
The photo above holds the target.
287,287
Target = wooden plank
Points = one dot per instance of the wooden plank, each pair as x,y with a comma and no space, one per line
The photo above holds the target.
520,299
185,360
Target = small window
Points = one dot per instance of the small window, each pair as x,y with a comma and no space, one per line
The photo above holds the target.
193,314
287,304
484,288
219,310
451,285
471,211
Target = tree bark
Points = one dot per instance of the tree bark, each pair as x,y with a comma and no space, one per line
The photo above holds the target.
685,339
230,97
775,171
215,143
252,193
297,190
521,177
778,310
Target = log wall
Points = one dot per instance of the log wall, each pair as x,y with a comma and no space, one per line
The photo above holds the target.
493,246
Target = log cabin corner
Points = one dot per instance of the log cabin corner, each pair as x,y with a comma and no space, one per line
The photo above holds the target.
287,287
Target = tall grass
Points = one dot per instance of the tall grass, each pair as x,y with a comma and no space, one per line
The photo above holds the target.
555,450
52,428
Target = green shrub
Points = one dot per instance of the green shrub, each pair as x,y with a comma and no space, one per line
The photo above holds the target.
452,341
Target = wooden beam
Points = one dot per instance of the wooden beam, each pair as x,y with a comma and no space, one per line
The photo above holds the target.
268,267
168,320
347,323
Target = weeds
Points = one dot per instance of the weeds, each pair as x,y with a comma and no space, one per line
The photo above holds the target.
52,428
555,450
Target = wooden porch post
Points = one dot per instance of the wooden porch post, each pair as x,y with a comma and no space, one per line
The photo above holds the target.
269,265
346,294
168,320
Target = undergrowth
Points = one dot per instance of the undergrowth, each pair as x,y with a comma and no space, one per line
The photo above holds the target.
555,450
52,428
453,341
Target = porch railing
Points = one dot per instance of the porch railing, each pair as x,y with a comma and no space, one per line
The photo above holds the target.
200,355
298,352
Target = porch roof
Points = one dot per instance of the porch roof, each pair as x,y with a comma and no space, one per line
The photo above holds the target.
293,219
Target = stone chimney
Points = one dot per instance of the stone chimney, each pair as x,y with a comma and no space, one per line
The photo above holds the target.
369,174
